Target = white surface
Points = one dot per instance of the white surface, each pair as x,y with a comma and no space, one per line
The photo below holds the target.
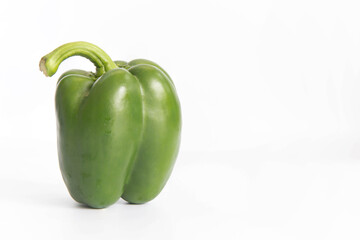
271,118
255,194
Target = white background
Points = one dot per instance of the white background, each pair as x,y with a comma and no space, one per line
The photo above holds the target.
270,94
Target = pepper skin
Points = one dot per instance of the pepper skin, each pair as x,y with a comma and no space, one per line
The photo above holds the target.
118,129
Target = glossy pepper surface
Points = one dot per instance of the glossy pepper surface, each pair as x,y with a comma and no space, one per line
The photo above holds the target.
118,129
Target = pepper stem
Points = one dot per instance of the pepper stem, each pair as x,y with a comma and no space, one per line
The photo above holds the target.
49,63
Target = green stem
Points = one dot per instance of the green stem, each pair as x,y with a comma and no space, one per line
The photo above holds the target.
50,62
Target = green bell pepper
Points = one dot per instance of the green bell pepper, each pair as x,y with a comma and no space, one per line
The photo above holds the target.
118,128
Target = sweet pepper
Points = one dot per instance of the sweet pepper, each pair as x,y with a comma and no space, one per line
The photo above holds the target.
118,128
